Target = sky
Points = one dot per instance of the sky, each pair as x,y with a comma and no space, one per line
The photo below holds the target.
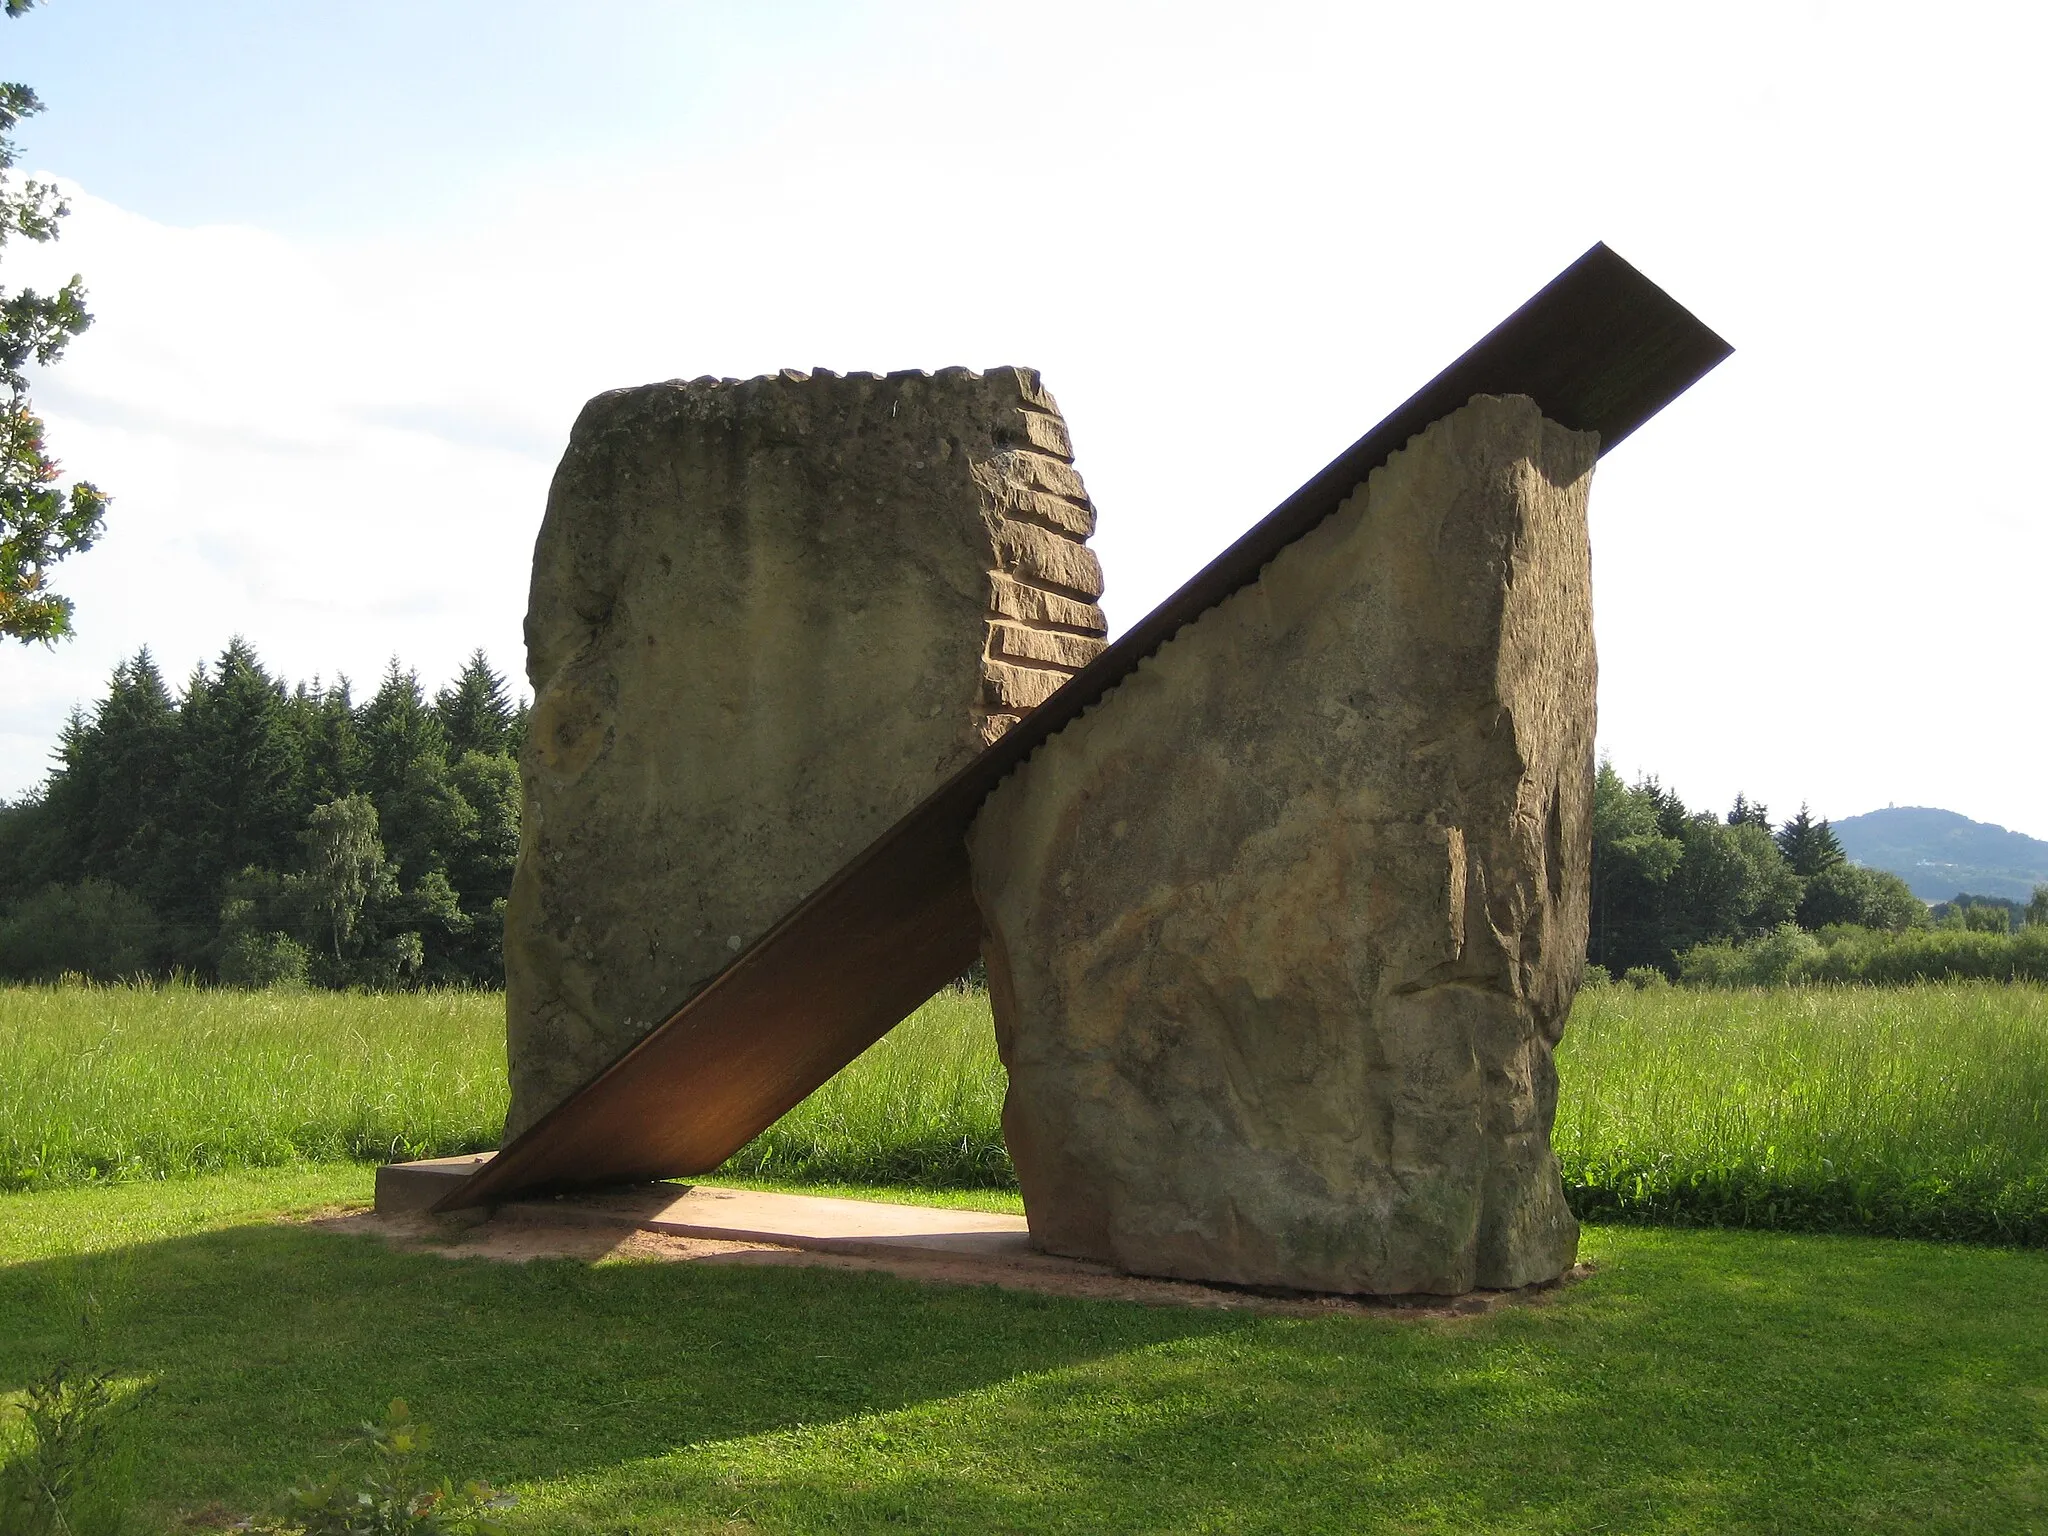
355,268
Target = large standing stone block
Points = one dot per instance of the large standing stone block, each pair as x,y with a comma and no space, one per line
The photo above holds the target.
1282,933
767,618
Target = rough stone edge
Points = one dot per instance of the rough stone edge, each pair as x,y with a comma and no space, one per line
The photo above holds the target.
1042,623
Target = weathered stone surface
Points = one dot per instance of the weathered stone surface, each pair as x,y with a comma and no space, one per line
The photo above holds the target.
1281,933
764,623
1034,605
1041,557
1049,647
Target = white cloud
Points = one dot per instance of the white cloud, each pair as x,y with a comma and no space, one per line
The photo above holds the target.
1231,248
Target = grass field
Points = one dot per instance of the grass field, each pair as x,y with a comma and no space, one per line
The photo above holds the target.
156,1082
1919,1111
922,1106
1697,1382
1915,1111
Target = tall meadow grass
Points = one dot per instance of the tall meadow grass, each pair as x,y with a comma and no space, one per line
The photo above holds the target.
923,1106
118,1082
1917,1111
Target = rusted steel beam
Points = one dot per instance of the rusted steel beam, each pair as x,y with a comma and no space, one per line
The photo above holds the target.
1601,349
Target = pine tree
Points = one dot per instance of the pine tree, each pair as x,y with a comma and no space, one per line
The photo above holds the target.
334,754
238,792
405,771
70,802
136,731
1670,810
216,811
475,711
1748,813
1809,846
399,732
101,810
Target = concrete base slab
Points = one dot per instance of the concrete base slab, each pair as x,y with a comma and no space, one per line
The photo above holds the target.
812,1222
712,1224
411,1189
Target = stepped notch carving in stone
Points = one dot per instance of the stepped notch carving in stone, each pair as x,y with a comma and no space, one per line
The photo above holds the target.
1282,932
767,619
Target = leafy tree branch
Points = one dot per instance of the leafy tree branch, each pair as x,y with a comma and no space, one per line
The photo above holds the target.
42,522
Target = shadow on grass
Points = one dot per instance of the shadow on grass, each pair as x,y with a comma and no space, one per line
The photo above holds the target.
270,1342
1701,1381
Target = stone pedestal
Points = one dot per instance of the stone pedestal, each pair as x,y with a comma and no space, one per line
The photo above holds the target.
767,618
1282,933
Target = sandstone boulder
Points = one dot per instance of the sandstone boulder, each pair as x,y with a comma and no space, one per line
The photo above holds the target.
1282,933
767,618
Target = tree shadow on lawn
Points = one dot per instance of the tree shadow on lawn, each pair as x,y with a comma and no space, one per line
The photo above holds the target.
1707,1381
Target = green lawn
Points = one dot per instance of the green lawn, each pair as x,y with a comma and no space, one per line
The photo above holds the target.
1699,1381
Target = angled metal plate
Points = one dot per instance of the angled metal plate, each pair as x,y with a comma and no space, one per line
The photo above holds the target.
1600,349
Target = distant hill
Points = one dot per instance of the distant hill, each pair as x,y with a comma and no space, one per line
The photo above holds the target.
1939,853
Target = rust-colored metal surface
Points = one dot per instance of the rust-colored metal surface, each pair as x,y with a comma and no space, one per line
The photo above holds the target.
1600,349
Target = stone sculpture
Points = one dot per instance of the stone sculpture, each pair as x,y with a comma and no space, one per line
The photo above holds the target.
1282,895
1282,932
767,618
